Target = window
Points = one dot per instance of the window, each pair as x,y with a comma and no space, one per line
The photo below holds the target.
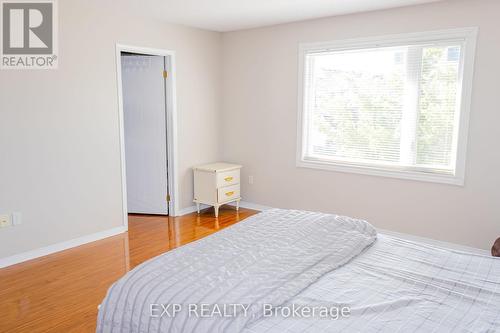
395,106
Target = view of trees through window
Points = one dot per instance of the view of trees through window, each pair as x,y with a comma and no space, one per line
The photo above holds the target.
387,106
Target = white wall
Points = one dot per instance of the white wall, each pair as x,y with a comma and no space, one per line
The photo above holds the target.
59,146
260,113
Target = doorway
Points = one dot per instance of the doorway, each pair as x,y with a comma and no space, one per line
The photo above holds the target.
147,130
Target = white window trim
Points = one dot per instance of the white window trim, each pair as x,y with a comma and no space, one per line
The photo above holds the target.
467,35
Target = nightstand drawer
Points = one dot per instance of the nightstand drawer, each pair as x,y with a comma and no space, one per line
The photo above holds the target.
227,178
216,184
228,193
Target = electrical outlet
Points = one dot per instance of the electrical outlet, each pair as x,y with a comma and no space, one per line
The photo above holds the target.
17,218
4,220
250,180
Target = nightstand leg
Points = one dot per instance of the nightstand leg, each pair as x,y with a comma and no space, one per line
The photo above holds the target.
237,205
198,207
216,208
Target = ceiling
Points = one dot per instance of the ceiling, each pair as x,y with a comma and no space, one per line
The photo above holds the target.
230,15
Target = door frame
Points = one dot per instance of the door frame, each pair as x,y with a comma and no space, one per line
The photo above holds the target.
171,126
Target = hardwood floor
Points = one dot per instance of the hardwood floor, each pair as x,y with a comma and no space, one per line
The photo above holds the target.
61,292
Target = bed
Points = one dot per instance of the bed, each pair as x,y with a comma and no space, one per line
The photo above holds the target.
286,259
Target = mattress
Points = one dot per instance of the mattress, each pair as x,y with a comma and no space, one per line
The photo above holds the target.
309,260
403,286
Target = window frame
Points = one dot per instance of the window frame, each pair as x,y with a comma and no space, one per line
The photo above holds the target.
467,36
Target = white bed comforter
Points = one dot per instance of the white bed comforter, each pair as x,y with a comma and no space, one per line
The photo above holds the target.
400,286
267,259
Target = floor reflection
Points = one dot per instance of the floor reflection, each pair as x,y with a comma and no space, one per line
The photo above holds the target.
165,233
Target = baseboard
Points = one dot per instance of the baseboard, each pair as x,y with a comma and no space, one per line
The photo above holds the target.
191,209
435,242
37,253
43,251
243,204
186,210
251,205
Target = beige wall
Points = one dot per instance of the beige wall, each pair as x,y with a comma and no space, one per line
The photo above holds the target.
59,146
60,163
260,113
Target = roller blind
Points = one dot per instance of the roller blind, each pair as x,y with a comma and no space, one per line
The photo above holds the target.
392,107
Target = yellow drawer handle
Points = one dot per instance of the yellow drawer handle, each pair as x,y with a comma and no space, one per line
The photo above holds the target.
228,179
229,193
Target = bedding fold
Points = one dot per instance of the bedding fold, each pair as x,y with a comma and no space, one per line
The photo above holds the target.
233,274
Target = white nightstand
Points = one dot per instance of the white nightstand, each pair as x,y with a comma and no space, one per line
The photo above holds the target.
217,184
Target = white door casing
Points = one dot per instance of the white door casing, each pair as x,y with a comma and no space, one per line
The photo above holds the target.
171,115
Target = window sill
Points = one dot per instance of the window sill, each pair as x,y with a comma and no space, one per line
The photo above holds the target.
382,172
